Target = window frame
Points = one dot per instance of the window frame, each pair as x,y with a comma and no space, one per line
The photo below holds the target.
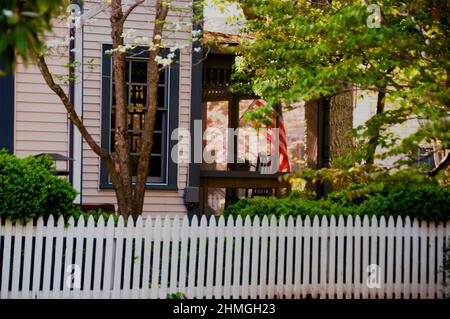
171,94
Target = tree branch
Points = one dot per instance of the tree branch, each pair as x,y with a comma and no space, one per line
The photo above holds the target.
131,8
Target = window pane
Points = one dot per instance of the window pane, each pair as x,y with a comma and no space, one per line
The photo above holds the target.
139,72
162,78
155,166
138,95
157,143
161,101
159,120
216,135
135,142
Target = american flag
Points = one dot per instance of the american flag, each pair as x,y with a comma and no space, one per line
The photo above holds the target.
283,159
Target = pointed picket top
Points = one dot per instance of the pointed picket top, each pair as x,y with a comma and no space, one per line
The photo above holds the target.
365,220
332,221
230,221
324,221
71,222
167,222
316,221
382,222
50,221
415,222
204,222
80,221
256,221
399,221
290,221
100,222
341,221
408,222
110,221
357,221
349,220
139,222
265,221
221,221
185,221
307,221
91,221
282,221
299,221
60,221
247,221
176,223
273,220
238,222
391,222
130,221
40,222
374,221
120,222
194,221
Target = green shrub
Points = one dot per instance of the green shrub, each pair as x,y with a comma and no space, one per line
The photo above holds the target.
397,195
29,189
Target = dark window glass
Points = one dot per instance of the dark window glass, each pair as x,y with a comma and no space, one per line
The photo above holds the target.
137,104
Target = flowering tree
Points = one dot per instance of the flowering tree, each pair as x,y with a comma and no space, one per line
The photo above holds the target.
129,193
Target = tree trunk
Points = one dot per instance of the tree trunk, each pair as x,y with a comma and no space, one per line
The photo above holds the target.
373,141
341,124
121,157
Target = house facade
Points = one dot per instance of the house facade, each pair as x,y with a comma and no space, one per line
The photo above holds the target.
34,121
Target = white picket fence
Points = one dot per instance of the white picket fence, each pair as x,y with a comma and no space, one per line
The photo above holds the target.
223,259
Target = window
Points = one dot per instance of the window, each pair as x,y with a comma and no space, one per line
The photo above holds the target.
163,171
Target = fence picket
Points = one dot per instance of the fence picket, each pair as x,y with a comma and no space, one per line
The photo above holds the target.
382,257
288,288
315,256
98,257
27,260
108,275
147,258
298,261
306,269
210,265
407,260
349,286
15,265
373,252
357,260
118,258
340,270
272,257
324,251
6,260
165,257
57,273
281,234
440,257
264,252
46,275
237,258
193,236
255,257
246,253
415,258
431,229
137,258
423,260
174,259
332,260
218,288
390,259
365,232
398,258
